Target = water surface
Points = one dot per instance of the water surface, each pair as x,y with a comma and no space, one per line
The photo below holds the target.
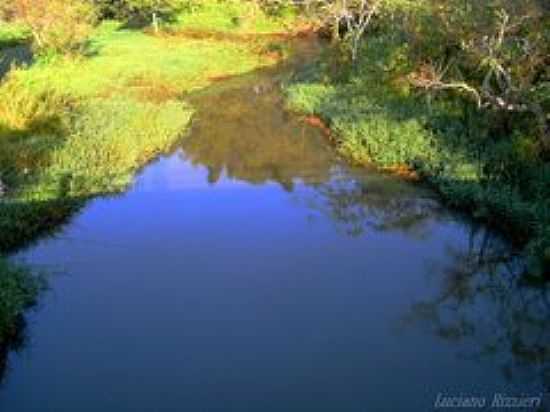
252,270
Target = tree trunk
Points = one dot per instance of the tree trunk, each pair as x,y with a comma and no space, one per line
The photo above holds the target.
38,39
155,22
335,38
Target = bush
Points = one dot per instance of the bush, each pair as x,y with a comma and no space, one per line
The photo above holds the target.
277,8
55,25
145,11
22,110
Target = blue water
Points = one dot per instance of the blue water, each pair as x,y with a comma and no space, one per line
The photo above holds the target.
252,270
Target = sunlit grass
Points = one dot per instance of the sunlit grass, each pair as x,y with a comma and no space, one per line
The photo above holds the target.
118,56
234,17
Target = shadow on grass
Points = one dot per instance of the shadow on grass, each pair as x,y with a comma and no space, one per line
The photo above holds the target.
14,56
24,152
14,39
23,223
141,21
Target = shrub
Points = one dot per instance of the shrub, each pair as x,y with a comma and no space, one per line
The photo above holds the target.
22,110
56,25
149,11
277,8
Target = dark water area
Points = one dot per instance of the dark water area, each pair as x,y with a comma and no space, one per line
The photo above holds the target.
253,270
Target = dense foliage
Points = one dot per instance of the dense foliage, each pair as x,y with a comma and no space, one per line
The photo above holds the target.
144,11
497,56
457,90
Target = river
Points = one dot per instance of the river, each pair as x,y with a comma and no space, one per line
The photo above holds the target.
253,270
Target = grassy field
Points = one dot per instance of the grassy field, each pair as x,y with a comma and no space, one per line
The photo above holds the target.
76,127
377,119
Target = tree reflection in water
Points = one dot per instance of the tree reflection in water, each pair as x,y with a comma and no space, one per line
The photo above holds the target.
242,131
361,202
256,141
484,299
15,341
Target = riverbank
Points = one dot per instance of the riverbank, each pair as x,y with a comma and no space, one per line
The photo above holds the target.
376,119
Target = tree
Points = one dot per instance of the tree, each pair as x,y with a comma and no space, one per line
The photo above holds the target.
357,16
495,55
348,20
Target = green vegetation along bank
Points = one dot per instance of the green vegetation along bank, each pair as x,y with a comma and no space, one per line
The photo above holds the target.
377,118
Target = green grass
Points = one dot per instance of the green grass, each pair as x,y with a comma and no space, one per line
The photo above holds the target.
376,119
119,57
234,17
12,34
